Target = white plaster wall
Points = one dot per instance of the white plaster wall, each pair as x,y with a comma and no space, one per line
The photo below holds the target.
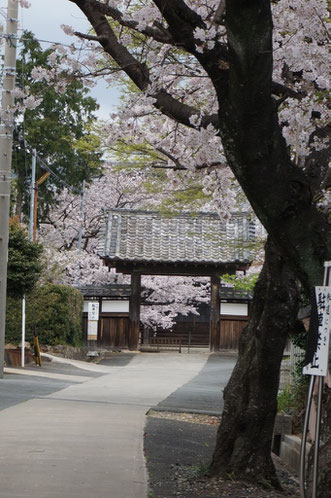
115,306
85,305
237,309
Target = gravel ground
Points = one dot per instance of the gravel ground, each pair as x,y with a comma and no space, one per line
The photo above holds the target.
178,449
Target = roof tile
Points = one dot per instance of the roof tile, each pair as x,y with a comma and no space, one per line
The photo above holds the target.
143,236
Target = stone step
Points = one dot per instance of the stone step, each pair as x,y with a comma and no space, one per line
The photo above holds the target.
290,448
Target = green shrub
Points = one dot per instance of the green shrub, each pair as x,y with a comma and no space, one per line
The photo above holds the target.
54,311
292,400
24,261
285,400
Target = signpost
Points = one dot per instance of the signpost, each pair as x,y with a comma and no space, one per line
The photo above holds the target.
92,321
317,369
319,364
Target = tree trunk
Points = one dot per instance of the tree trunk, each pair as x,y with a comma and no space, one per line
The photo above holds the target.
243,445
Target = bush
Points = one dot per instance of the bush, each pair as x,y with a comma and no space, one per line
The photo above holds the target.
292,400
24,261
54,311
285,400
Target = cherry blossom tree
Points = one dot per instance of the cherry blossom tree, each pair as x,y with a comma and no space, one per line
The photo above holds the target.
211,67
242,85
165,297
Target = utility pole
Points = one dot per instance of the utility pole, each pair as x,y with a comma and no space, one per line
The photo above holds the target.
35,204
6,144
32,187
32,199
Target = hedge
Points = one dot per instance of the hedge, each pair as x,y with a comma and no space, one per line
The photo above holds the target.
54,311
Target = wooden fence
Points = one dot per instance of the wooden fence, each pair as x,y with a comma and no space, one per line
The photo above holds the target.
113,332
197,333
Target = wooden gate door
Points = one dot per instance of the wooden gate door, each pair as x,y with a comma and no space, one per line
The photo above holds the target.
231,327
114,332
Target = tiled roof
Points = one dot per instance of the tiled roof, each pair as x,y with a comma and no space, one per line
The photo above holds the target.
107,290
142,236
231,294
123,291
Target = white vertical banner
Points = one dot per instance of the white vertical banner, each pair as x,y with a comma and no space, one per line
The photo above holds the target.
319,364
93,311
92,321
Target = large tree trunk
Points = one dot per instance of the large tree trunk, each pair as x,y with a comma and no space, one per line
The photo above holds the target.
243,446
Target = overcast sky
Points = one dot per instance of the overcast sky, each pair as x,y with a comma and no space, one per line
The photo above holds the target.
44,18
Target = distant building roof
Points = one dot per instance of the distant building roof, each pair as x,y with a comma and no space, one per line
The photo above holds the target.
152,237
123,291
231,294
106,290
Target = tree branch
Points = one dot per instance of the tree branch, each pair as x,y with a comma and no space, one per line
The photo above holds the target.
160,34
219,14
138,72
182,113
179,167
183,168
176,12
284,92
90,37
182,22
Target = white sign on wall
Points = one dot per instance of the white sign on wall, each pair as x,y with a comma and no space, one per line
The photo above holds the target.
93,311
319,364
92,330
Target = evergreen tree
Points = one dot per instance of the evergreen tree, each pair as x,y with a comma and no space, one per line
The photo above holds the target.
60,128
24,261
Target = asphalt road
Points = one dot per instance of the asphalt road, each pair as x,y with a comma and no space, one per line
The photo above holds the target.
75,430
203,393
38,382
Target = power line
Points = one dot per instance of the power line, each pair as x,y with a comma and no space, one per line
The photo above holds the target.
50,42
64,183
43,165
5,16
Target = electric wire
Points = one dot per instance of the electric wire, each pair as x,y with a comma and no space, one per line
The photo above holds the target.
6,17
21,140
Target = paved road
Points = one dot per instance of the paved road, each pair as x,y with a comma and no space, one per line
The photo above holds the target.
35,382
203,393
76,430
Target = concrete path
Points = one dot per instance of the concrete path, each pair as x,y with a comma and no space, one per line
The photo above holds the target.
84,439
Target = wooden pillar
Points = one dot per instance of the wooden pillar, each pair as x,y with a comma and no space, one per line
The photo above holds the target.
99,337
134,311
214,326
